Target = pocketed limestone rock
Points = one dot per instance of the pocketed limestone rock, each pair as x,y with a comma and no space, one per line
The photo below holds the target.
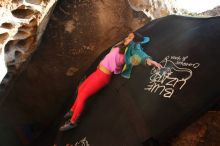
22,23
155,8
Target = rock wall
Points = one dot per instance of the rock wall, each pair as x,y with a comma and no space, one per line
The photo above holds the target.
160,8
212,13
22,23
78,31
155,8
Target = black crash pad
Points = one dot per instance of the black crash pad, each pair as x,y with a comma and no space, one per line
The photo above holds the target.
156,103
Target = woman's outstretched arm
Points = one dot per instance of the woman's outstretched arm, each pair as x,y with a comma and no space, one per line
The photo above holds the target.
151,62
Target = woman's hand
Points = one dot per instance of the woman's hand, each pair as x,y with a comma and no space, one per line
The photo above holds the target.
153,63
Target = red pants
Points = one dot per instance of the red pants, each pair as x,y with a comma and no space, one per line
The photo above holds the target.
96,81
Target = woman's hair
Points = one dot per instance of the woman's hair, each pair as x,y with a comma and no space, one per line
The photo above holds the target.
137,37
122,48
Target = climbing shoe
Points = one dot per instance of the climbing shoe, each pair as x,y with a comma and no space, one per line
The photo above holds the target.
67,126
68,114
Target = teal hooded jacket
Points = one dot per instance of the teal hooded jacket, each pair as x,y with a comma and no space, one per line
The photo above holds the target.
134,50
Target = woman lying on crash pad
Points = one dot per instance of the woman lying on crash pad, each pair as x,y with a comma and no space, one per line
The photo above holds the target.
120,60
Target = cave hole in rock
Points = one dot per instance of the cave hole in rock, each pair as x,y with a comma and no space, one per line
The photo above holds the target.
25,44
11,68
21,35
31,27
2,86
36,2
33,22
25,28
3,37
18,54
17,1
23,13
9,45
7,25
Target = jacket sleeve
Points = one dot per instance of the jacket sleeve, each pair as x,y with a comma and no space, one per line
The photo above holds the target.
146,40
143,55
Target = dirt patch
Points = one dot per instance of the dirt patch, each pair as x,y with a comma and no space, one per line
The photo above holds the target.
204,132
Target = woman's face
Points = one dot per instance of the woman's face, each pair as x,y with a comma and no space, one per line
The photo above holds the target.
129,38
